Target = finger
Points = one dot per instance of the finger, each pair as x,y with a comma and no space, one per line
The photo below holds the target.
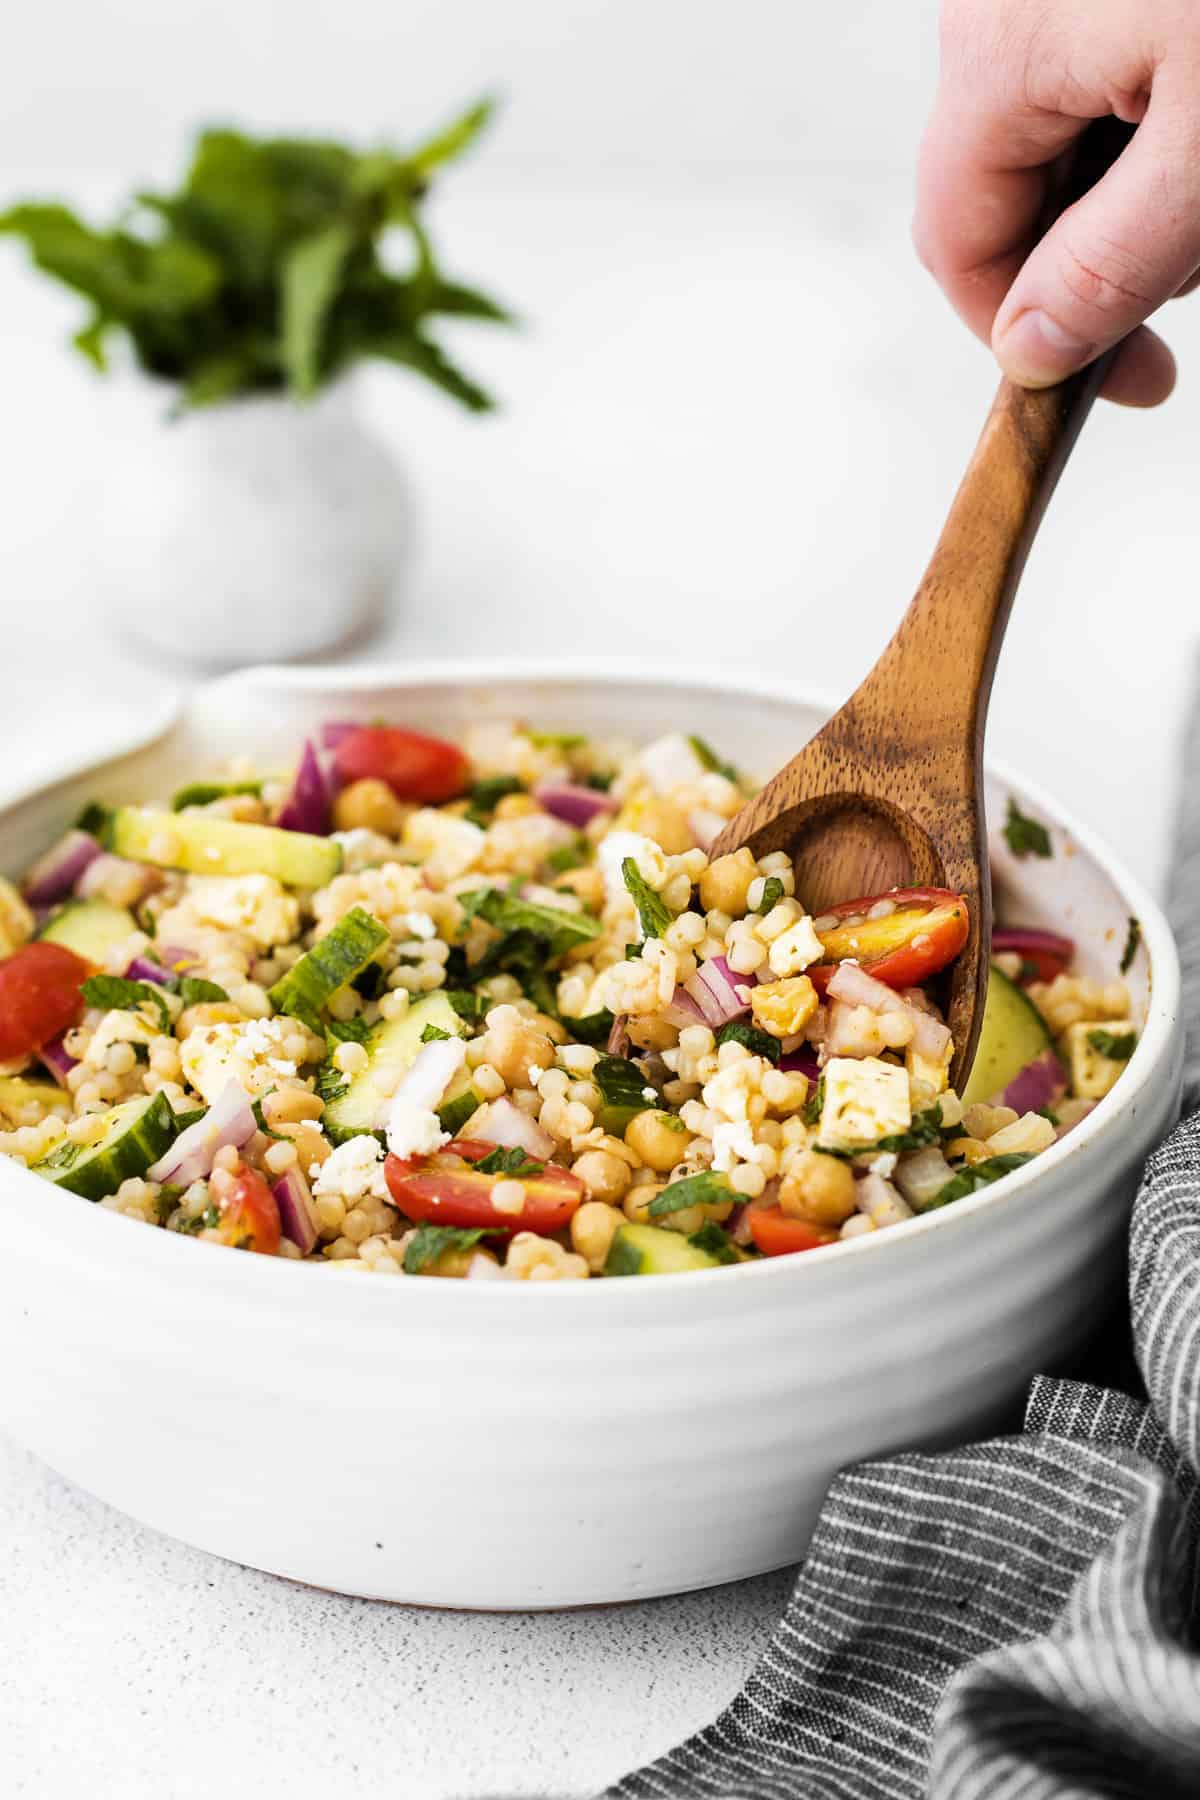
1110,260
1188,287
1143,373
981,187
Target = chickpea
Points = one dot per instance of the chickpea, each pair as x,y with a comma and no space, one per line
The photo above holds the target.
311,1147
514,1046
605,1176
725,883
592,1231
980,1121
291,1105
587,884
369,805
662,821
636,1204
516,806
649,1033
818,1188
968,1150
206,1012
657,1138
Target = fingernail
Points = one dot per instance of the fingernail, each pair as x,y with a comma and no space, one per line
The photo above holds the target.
1035,349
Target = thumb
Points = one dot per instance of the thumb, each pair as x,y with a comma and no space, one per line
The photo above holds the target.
1110,260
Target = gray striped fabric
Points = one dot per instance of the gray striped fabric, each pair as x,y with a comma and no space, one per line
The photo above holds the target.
1016,1620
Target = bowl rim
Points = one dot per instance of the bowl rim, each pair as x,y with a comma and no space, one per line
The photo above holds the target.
1157,1048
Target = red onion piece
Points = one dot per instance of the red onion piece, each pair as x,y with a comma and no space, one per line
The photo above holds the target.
1022,940
1039,1084
54,875
335,731
57,1060
618,1037
307,806
502,1123
229,1120
801,1062
105,868
176,960
297,1214
572,803
142,969
718,992
854,986
682,1011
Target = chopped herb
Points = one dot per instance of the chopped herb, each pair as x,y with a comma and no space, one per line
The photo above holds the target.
623,1086
194,991
114,991
93,819
485,796
557,930
191,1225
557,740
1025,836
811,1111
926,1128
704,1189
347,1031
632,952
1132,940
711,760
714,1241
429,1242
772,894
1118,1046
1047,1112
594,1028
758,1043
567,857
432,1033
979,1175
599,780
332,1082
652,912
515,1162
203,793
467,1005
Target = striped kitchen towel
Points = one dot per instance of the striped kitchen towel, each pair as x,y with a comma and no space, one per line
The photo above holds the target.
1016,1620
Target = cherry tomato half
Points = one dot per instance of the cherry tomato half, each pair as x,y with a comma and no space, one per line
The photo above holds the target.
925,930
445,1190
414,766
777,1235
39,996
249,1214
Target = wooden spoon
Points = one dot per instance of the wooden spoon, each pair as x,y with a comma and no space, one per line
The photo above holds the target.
890,792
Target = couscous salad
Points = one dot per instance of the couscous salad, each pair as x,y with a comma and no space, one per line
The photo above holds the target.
487,1010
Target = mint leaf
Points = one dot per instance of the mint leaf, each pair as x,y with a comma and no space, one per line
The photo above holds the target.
812,1108
114,992
515,1163
704,1189
773,892
652,912
432,1033
93,819
1025,836
558,931
1117,1046
715,1242
467,1005
195,991
429,1242
979,1175
567,856
203,793
711,760
758,1043
594,1028
484,796
1132,940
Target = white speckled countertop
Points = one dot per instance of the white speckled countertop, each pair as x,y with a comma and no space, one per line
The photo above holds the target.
751,444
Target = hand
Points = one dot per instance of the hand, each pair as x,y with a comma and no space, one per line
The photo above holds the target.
1020,80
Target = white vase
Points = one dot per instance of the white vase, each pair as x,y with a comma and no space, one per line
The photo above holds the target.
260,528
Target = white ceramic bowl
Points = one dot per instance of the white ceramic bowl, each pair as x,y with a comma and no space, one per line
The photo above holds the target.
486,1445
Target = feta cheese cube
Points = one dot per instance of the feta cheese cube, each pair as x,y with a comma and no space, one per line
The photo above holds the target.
796,947
1097,1050
249,1054
865,1099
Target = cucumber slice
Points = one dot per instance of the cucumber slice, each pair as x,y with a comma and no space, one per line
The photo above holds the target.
16,1093
1014,1034
460,1104
342,954
90,928
649,1250
136,1135
204,845
360,1103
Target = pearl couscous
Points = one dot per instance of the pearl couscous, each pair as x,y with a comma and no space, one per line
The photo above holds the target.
492,1011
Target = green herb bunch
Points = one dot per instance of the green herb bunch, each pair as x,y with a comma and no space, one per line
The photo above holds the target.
264,272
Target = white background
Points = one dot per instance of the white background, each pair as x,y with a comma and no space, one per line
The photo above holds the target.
731,427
